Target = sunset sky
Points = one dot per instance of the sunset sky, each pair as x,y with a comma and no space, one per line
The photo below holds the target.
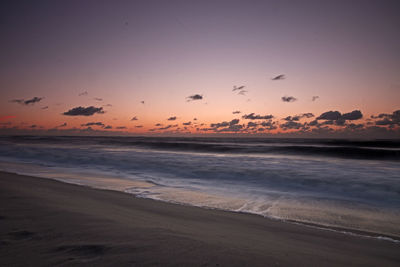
89,67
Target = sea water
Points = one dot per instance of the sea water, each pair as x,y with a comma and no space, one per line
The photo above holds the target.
348,184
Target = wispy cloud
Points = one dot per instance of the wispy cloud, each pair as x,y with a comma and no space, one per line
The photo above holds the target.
279,77
93,124
28,101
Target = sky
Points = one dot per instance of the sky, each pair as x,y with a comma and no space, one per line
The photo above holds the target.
253,68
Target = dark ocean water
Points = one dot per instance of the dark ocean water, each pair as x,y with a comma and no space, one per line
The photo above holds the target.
341,183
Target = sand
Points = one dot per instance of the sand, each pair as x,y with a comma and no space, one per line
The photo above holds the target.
44,222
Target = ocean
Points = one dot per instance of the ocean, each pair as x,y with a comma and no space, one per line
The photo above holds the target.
350,185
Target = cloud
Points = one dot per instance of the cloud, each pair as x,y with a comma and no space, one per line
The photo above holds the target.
236,112
251,116
93,124
107,105
158,124
251,124
354,115
298,117
28,101
330,115
139,126
288,98
82,111
168,126
62,125
98,99
172,118
231,128
235,88
83,93
142,102
242,92
120,127
314,98
134,118
195,119
108,127
279,77
224,123
269,125
340,118
388,119
187,123
291,125
46,107
194,97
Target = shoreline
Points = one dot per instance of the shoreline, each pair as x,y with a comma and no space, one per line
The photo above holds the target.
120,185
108,227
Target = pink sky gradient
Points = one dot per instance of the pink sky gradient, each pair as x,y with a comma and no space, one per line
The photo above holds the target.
161,52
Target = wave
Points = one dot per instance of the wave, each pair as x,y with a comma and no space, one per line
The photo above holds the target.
351,149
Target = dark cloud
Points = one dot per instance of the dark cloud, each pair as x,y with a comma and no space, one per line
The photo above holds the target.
291,125
33,100
62,125
279,77
120,127
354,115
252,124
46,107
142,102
98,99
107,105
236,112
172,118
158,124
187,123
251,116
242,92
340,119
298,117
231,128
314,98
388,119
288,98
108,127
195,119
33,126
93,124
269,125
330,115
83,93
353,126
134,118
224,123
28,101
82,111
194,97
139,126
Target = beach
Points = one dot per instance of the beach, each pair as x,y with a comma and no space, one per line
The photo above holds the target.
45,222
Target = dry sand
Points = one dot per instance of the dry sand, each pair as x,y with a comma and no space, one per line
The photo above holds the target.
45,222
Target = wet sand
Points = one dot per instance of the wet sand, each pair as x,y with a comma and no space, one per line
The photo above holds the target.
45,222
